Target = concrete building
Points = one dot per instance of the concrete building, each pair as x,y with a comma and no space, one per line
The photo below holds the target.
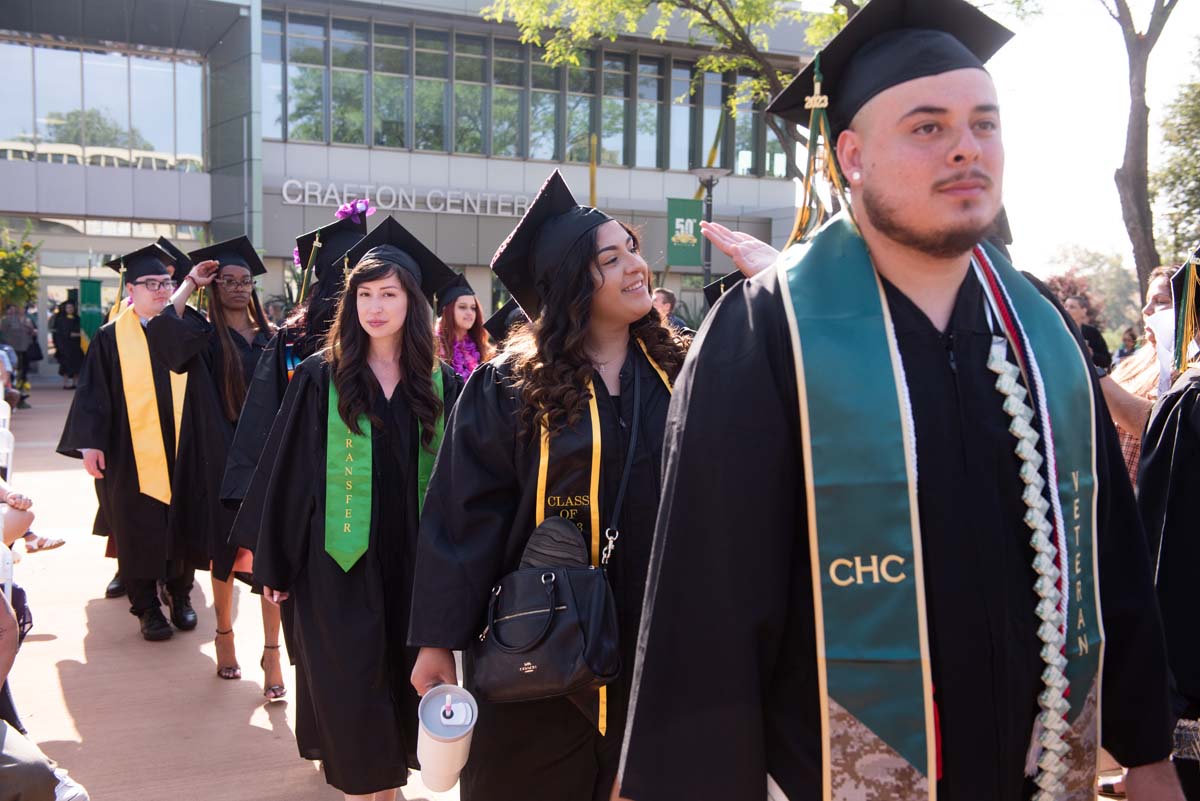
205,119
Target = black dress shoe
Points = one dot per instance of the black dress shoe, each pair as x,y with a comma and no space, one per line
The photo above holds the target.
182,614
155,626
115,588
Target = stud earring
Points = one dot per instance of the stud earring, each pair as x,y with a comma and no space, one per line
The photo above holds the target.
856,176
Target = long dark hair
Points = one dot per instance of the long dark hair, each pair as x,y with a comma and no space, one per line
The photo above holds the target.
446,328
233,393
311,320
347,344
551,369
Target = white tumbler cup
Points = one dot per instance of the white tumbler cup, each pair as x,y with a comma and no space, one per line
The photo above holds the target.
447,714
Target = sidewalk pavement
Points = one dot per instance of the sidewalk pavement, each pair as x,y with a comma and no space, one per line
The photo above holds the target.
129,719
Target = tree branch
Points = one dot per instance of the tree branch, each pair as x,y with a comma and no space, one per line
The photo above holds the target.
1158,20
1109,10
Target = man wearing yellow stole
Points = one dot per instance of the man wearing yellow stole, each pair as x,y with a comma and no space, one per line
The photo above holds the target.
897,555
124,422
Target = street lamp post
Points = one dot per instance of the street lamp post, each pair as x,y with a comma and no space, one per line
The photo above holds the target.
709,177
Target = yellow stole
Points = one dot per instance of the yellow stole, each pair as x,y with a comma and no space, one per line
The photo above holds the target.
141,404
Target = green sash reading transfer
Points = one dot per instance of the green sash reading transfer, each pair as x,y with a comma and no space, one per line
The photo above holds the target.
348,464
859,449
569,484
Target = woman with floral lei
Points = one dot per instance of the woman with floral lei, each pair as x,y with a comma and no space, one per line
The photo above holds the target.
462,340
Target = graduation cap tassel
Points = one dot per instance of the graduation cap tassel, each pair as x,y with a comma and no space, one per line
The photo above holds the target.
1185,310
308,268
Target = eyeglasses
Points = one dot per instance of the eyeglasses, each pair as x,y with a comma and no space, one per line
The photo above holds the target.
230,284
155,286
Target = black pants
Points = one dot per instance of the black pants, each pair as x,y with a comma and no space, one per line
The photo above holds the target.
1189,778
22,368
143,593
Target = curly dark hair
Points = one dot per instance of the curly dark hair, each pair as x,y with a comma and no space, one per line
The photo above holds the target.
347,344
550,367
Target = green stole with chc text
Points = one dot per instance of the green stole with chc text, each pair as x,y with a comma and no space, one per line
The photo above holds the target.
863,531
568,484
348,465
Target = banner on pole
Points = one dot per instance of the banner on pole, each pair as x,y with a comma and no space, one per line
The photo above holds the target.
683,232
91,316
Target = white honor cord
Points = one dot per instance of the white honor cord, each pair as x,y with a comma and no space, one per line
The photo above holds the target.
1047,750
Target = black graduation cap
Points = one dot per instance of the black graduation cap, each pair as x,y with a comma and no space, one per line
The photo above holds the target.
887,43
336,239
183,265
500,323
148,260
238,251
714,291
392,242
457,288
553,223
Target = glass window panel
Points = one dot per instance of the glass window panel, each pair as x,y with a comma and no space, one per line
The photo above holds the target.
581,80
189,114
470,45
272,47
391,59
612,131
272,21
433,65
350,29
152,90
713,94
509,73
506,122
579,127
649,123
108,228
712,134
650,82
306,25
429,116
586,59
469,69
350,55
546,77
306,51
306,103
468,118
272,90
106,100
508,48
543,125
391,34
743,145
776,157
16,98
681,137
391,109
348,110
616,84
433,40
616,62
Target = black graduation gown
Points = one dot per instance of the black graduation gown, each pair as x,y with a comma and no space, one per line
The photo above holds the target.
99,419
479,513
190,344
356,709
68,349
1168,475
729,680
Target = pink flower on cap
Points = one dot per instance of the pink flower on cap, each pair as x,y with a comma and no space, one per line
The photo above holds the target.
354,208
296,257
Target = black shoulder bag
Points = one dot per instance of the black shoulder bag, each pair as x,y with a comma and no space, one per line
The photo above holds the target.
552,624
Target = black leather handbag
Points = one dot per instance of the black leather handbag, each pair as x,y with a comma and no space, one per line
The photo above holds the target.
552,623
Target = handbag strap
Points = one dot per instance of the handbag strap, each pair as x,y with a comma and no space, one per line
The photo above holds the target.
613,533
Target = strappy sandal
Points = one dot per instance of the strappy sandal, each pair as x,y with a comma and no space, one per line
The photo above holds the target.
274,692
42,543
229,672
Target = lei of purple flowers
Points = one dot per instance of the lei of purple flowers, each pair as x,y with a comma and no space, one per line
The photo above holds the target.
466,357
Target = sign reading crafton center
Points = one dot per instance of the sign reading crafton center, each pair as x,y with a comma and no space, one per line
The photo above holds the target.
400,198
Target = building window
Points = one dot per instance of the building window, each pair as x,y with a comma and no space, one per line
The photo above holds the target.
430,88
614,108
508,93
470,93
390,85
16,97
776,157
348,82
745,136
545,108
306,77
713,121
189,116
683,137
272,74
581,94
151,89
649,121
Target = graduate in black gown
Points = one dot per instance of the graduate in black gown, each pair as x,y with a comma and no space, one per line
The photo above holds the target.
130,450
218,355
1168,475
68,349
581,278
367,410
751,676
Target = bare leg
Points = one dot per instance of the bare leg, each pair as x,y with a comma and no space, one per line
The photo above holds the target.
227,664
272,663
386,795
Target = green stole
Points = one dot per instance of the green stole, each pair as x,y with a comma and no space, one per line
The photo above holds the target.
348,463
877,707
568,484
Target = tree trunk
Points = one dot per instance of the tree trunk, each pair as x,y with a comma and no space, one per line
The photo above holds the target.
1132,178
